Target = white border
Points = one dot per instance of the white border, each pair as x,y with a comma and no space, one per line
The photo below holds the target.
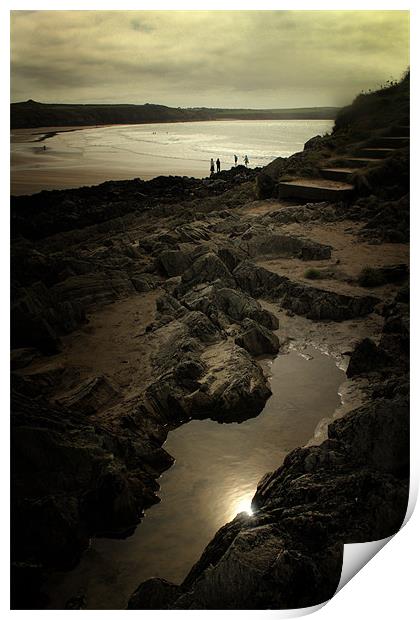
387,586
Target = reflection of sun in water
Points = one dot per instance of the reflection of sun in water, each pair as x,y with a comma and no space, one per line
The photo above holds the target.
244,505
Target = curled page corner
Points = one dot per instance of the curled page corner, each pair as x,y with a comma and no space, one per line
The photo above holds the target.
356,556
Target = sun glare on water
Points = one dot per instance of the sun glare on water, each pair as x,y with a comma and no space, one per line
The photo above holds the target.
244,505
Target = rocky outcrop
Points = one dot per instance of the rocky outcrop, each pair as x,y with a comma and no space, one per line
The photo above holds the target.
225,385
39,317
227,305
353,487
364,358
261,243
156,593
313,302
94,289
257,340
206,268
74,478
88,396
289,553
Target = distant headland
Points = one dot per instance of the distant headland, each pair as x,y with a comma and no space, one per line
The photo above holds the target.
28,114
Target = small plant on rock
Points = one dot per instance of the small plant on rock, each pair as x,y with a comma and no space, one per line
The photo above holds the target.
371,277
312,274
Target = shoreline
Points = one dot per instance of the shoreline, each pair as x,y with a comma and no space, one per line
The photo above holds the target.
56,129
49,159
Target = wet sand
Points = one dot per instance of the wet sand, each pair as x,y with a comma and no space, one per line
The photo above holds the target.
69,157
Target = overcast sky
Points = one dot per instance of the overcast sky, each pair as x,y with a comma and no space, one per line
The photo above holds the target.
260,59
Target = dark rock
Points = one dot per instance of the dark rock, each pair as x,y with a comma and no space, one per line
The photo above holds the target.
207,268
144,283
257,340
232,387
199,326
231,256
224,305
364,358
371,277
259,282
289,552
377,434
89,396
98,288
313,302
187,372
167,304
265,243
265,186
174,262
19,358
314,143
72,480
154,593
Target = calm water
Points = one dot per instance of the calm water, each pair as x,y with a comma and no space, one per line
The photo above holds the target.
92,155
215,475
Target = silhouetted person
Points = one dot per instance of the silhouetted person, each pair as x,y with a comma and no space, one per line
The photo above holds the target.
218,164
246,160
211,167
236,159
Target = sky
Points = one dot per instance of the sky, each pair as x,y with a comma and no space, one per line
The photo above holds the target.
228,59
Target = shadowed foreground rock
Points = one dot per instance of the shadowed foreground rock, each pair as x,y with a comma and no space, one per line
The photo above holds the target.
351,488
289,553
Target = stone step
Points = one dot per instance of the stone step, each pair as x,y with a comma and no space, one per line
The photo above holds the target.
393,142
338,174
315,189
356,162
402,130
377,153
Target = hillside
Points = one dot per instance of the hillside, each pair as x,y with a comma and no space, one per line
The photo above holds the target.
34,114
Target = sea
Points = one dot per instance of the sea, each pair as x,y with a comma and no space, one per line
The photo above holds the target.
68,157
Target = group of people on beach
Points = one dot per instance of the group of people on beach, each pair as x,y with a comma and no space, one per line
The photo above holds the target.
235,159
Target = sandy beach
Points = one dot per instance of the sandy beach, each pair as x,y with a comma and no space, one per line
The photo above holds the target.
68,157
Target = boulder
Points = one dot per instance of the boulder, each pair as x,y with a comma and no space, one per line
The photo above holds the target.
227,386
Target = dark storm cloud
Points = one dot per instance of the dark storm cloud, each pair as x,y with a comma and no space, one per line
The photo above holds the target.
221,58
